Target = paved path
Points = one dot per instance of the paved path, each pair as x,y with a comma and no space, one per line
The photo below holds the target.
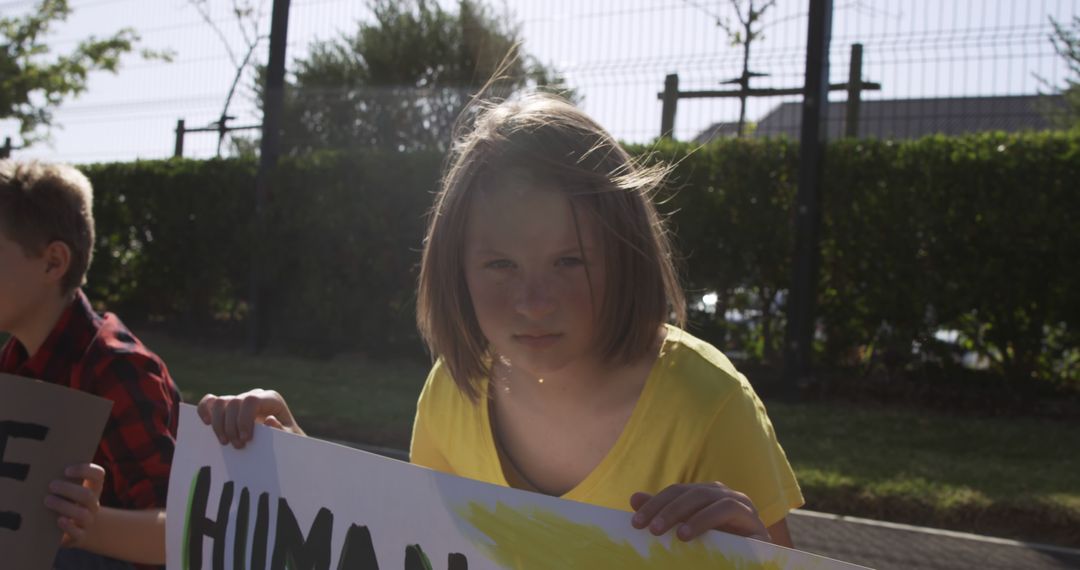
888,546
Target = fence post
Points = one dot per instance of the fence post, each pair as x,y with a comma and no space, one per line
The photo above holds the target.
798,342
5,151
671,100
178,149
854,91
273,100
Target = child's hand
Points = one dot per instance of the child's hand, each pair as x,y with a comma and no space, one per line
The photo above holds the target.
234,417
76,503
696,508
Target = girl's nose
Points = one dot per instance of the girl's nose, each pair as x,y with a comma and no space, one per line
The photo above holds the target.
535,300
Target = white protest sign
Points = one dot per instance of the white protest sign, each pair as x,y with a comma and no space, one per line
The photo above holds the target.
286,501
44,428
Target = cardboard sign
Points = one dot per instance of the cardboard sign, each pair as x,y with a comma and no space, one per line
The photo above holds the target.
44,428
286,501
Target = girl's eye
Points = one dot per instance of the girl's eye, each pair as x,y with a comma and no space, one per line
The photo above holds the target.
570,262
499,264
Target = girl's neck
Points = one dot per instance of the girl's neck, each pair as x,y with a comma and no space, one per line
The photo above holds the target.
576,382
589,381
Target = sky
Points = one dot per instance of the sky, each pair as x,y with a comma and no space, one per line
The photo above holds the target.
616,53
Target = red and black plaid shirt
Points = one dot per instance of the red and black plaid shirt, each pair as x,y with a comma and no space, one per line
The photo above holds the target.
97,354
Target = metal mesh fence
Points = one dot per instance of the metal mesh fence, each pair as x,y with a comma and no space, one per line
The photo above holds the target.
951,67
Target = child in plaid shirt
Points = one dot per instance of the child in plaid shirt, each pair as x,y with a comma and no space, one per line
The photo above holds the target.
46,242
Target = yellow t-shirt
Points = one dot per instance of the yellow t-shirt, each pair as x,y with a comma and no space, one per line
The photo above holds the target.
697,420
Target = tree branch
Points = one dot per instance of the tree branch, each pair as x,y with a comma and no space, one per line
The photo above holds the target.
201,7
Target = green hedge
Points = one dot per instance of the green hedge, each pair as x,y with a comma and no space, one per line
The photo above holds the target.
341,246
975,234
346,233
172,238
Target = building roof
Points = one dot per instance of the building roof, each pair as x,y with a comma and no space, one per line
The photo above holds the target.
914,118
717,131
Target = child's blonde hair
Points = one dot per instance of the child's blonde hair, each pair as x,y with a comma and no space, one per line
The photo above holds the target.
551,142
42,203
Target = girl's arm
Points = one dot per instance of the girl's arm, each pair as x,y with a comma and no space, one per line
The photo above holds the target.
780,534
135,536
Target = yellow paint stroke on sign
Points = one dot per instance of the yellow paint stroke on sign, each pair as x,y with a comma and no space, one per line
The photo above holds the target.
536,539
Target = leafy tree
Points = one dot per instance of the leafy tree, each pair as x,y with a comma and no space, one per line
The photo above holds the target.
401,81
33,82
1066,42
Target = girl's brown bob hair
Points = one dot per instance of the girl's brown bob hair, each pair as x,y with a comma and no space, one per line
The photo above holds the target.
553,143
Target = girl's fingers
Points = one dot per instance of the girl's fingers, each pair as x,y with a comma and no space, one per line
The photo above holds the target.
74,511
234,417
205,408
250,410
72,533
232,433
744,499
727,514
638,499
92,475
76,502
697,508
217,419
274,423
75,493
683,507
645,513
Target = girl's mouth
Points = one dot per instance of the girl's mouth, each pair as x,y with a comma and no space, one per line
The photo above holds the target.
537,340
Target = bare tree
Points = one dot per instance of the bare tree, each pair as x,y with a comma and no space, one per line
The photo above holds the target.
247,16
745,33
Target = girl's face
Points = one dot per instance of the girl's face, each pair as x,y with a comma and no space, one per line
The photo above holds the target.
526,273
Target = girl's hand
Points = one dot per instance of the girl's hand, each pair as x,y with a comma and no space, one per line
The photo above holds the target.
76,503
696,508
234,417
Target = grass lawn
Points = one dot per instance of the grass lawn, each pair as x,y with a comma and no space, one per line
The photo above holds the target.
1016,477
347,397
1006,477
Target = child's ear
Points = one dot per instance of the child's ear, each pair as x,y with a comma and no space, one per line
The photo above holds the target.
57,257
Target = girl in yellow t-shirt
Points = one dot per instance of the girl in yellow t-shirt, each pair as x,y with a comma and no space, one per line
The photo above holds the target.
545,289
